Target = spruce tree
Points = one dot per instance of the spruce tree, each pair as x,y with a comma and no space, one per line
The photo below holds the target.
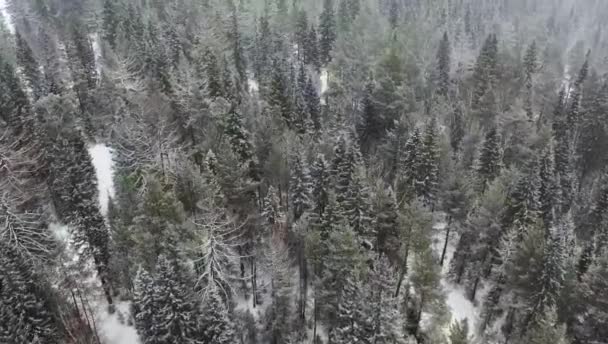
327,32
457,130
549,196
29,66
350,319
387,227
409,166
312,104
144,306
592,294
443,66
530,68
320,186
548,331
485,72
278,96
312,48
216,323
488,165
371,128
459,332
238,55
427,174
26,313
176,316
110,22
73,189
299,186
386,320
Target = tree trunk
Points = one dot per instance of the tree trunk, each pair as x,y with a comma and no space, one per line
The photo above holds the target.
253,282
447,239
475,285
314,326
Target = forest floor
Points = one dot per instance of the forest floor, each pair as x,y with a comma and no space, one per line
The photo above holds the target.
457,299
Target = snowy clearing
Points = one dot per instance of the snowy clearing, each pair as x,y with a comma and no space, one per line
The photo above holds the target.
456,297
7,17
101,156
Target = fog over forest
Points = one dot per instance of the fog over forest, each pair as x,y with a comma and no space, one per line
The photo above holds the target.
303,171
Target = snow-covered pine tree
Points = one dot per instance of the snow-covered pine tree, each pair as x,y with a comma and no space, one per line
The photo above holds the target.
299,186
217,325
427,173
485,72
25,312
442,83
29,66
387,226
489,161
548,330
459,332
457,129
110,22
371,128
351,322
176,317
548,192
341,255
386,320
411,157
144,306
530,69
320,180
327,32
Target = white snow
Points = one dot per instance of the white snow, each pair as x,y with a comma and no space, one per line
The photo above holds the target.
112,327
96,51
460,305
7,18
101,156
456,297
324,77
253,85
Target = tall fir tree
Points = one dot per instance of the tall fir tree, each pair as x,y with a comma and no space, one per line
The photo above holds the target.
530,69
26,313
327,32
489,163
443,66
29,66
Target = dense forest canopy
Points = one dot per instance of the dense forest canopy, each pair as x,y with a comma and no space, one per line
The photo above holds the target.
303,171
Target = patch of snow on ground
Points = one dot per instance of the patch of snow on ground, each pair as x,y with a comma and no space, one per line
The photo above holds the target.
7,18
96,51
101,156
324,76
253,85
456,297
113,328
459,304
